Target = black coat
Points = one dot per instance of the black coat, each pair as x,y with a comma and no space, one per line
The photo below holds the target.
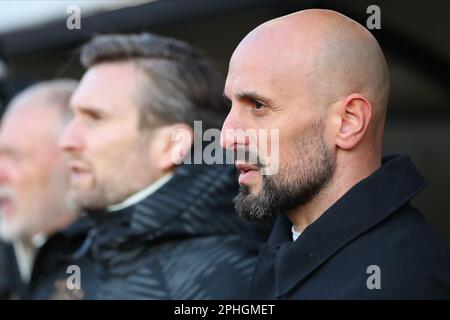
50,269
185,241
373,224
7,271
51,272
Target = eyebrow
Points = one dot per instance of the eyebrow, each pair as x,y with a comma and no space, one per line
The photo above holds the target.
7,150
251,96
89,109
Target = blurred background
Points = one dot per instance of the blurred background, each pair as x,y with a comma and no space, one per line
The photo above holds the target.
35,44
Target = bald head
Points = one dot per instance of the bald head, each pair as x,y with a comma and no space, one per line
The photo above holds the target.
48,95
333,55
319,81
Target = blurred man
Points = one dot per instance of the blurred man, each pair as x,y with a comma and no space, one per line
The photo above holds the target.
161,231
33,185
347,229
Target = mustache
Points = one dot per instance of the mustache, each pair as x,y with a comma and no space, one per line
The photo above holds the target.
7,193
247,156
79,161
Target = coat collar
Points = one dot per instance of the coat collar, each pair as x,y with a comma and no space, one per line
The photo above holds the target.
185,203
365,205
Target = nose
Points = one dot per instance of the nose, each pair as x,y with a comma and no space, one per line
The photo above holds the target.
233,130
71,138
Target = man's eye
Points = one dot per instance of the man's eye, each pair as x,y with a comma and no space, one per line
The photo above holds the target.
93,115
258,106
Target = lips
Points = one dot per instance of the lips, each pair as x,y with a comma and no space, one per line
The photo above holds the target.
77,167
5,203
247,172
244,167
77,170
79,173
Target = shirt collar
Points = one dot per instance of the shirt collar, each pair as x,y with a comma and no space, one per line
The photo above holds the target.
26,254
295,234
140,195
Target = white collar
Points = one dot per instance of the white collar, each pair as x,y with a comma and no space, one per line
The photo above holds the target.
295,234
26,254
140,195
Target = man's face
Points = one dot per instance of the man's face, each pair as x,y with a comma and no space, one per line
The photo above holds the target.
266,95
33,175
110,158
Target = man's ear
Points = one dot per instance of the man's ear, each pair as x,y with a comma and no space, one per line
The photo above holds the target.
178,140
355,114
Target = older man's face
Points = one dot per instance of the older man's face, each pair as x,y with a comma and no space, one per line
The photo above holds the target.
110,158
33,175
267,94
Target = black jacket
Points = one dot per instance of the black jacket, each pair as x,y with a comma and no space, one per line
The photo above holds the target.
185,241
51,272
372,226
7,270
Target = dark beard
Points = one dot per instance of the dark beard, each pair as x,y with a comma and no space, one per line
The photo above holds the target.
293,185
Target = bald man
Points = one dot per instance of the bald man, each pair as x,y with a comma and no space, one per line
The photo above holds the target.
345,228
34,213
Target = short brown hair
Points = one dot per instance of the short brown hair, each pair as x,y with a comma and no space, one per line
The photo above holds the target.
180,83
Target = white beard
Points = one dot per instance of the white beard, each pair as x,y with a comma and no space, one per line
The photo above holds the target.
12,229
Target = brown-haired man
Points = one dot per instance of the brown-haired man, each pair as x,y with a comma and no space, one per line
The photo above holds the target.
161,230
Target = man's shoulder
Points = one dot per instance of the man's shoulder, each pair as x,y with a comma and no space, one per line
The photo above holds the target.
401,254
208,250
409,256
210,267
407,229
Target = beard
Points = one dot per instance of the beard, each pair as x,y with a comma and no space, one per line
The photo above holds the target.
12,229
120,178
295,184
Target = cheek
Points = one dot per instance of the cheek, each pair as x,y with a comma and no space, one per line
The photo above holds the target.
27,198
22,179
287,140
31,183
114,153
104,143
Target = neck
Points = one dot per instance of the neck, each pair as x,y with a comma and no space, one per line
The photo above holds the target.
344,178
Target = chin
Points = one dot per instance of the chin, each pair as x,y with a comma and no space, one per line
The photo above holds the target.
251,190
255,188
75,197
8,232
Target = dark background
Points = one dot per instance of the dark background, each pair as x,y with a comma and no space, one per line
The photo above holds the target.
414,36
